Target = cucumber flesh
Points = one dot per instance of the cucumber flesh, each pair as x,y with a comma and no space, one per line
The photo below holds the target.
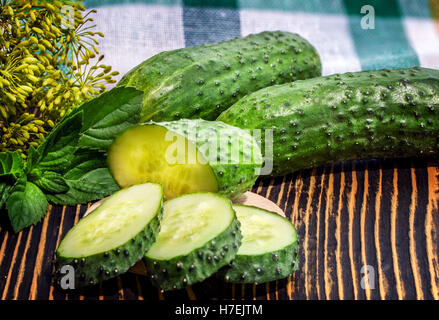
190,222
263,231
114,236
187,156
143,153
268,250
199,235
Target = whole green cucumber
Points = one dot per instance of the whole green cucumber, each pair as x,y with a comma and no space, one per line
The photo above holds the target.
369,114
203,81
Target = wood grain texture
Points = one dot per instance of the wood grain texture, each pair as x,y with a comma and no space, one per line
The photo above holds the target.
380,213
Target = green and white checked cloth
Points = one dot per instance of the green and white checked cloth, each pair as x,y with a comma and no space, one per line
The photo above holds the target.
406,32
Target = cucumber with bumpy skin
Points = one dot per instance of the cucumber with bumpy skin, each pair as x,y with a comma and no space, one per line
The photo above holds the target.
202,81
369,114
187,156
269,248
199,235
113,237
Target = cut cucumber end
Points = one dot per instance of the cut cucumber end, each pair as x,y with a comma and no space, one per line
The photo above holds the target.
152,153
199,235
114,236
269,249
263,231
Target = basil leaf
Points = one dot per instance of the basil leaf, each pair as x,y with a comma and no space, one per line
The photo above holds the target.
5,189
26,205
108,115
89,179
52,182
68,164
11,169
34,155
11,164
57,150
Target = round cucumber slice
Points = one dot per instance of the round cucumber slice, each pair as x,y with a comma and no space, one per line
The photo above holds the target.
114,236
268,250
199,235
187,156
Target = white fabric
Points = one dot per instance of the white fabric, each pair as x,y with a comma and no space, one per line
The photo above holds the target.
136,32
423,38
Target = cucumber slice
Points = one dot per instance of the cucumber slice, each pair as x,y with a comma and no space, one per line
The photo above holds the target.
269,249
199,235
187,156
114,236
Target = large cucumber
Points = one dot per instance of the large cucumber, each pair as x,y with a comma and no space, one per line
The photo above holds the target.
113,237
202,81
384,113
187,156
199,235
269,249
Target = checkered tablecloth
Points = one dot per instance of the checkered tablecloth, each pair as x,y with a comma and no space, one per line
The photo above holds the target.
406,32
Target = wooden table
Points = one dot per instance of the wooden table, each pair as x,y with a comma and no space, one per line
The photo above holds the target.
380,213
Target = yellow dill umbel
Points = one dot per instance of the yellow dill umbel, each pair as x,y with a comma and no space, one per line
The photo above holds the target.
49,64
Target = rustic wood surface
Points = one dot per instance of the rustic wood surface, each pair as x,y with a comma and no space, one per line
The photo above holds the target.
381,213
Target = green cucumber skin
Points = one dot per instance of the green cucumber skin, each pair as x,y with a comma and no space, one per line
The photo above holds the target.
369,114
198,265
233,179
106,265
202,81
262,268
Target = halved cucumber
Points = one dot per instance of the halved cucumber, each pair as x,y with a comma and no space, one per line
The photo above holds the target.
268,250
114,236
199,235
187,156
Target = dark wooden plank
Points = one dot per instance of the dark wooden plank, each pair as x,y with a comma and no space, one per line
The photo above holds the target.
381,213
420,262
401,227
431,230
368,223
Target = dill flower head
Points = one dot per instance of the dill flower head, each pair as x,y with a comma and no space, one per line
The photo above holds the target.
49,64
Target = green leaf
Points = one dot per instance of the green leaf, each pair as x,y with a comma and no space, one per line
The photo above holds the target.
11,164
70,164
26,205
89,179
52,182
5,189
34,156
57,150
108,115
11,169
